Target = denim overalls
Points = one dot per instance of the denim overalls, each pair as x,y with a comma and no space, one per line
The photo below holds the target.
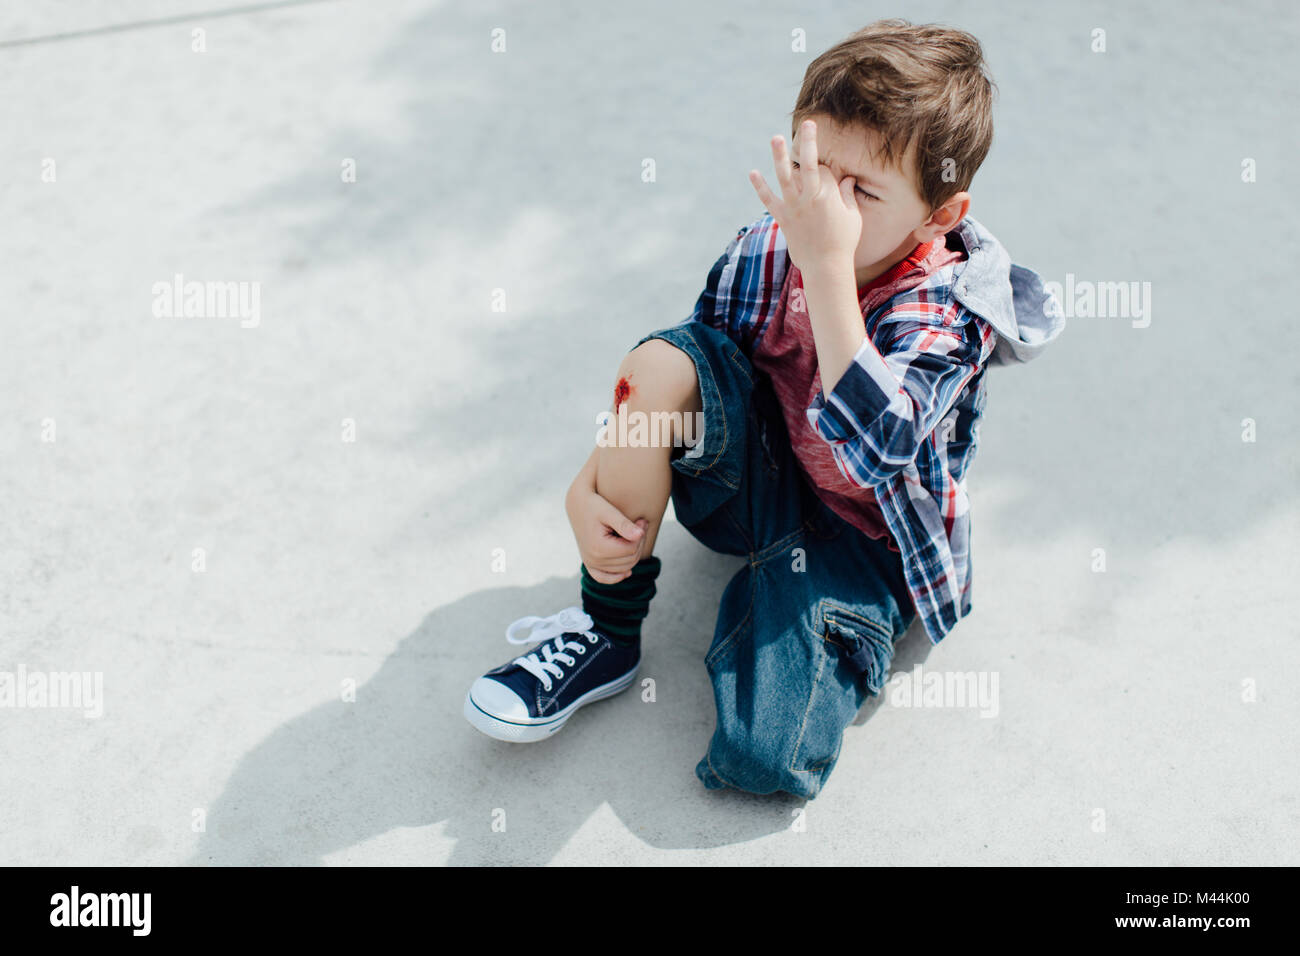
807,628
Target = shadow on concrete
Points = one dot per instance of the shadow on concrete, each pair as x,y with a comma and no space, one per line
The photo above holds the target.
402,754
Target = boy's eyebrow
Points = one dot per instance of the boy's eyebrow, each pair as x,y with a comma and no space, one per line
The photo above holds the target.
856,176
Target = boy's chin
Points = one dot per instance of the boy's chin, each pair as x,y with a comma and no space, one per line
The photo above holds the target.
874,267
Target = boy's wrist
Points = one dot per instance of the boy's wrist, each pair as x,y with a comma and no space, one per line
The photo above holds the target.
831,275
829,270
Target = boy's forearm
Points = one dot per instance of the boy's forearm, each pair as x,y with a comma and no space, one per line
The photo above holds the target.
588,473
585,479
835,314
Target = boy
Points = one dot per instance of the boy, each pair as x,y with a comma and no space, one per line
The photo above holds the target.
836,359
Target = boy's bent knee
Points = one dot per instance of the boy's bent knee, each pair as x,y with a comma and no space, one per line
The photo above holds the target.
657,375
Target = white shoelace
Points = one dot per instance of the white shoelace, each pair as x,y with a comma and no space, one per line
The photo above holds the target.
570,620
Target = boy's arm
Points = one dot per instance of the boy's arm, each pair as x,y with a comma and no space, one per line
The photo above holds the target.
884,406
835,314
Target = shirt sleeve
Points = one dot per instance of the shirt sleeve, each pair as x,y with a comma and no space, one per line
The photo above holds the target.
739,285
885,405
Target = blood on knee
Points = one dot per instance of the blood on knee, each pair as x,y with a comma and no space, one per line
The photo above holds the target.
664,374
622,391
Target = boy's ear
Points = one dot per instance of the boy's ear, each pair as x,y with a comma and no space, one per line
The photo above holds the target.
945,219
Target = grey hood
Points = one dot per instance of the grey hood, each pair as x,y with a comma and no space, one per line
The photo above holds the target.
1026,316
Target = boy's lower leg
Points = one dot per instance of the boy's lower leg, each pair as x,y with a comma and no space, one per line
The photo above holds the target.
657,382
633,473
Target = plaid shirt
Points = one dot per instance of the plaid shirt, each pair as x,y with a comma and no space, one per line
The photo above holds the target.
901,421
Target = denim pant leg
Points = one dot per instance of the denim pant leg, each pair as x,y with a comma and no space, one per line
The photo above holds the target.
806,629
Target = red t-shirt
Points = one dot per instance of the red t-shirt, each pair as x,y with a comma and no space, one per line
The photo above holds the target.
787,353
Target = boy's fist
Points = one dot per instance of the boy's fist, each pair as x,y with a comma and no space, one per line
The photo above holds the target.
609,542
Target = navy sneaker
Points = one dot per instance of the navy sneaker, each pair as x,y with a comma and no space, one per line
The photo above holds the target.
532,696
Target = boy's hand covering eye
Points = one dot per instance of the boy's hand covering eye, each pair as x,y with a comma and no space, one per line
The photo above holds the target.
820,218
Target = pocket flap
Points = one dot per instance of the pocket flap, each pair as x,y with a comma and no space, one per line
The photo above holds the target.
865,644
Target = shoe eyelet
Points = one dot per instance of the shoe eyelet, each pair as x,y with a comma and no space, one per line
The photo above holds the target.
580,649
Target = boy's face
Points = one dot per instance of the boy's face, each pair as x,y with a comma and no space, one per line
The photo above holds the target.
895,219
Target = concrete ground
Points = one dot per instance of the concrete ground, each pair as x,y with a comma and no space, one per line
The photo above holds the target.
1147,714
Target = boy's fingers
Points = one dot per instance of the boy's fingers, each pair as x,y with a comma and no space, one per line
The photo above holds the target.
781,161
617,565
618,568
616,553
765,195
612,548
623,535
847,185
619,523
636,555
603,577
808,165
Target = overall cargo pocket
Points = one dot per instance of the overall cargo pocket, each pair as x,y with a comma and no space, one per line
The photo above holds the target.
864,645
853,653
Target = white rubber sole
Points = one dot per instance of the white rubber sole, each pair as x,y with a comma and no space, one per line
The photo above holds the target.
531,731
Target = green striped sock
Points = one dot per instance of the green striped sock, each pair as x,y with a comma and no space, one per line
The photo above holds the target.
618,609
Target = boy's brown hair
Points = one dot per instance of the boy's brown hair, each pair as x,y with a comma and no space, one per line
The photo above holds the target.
925,83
